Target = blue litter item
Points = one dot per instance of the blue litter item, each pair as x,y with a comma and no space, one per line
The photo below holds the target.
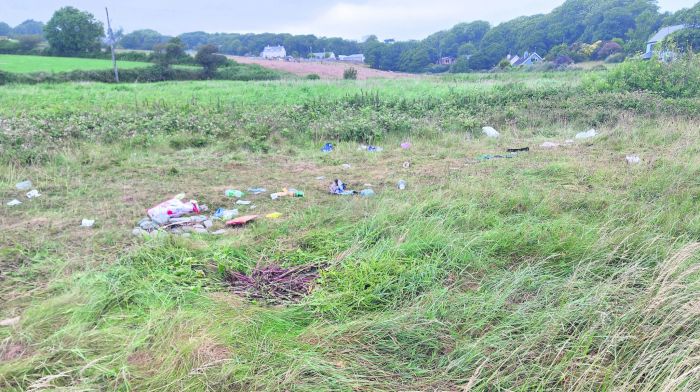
338,187
328,147
374,149
256,191
367,193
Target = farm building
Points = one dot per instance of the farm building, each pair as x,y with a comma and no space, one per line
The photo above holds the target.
323,56
658,37
446,60
353,58
274,52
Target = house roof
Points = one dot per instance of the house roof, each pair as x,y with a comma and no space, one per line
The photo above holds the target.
665,32
523,60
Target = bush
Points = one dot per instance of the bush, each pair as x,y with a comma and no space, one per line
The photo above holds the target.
350,74
615,58
678,79
313,77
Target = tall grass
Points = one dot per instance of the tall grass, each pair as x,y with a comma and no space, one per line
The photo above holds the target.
562,269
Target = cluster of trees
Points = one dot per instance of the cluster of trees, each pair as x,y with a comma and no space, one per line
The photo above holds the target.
577,30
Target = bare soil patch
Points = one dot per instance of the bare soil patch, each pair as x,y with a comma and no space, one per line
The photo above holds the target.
327,70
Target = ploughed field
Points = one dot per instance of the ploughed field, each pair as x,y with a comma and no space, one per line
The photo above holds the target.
566,267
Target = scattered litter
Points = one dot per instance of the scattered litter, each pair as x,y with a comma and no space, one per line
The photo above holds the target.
24,185
233,193
13,203
256,191
406,145
274,215
219,232
321,178
9,322
406,165
33,193
587,135
273,283
549,145
225,214
520,149
147,224
172,208
242,220
347,166
633,159
252,207
367,193
287,192
208,224
328,147
339,188
569,141
487,157
490,132
370,148
87,223
402,184
244,202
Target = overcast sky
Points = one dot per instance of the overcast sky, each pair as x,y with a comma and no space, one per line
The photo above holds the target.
354,19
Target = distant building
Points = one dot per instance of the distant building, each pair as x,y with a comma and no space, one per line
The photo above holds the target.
658,37
513,59
274,52
353,58
390,41
323,56
527,60
446,60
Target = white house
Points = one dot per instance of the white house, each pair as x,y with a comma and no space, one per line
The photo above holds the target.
658,37
274,52
527,60
353,58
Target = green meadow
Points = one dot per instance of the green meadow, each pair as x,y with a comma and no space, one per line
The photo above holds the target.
563,268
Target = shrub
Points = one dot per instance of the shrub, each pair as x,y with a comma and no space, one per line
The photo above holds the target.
313,76
350,74
678,79
615,58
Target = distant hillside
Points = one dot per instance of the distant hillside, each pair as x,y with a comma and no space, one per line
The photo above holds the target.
470,46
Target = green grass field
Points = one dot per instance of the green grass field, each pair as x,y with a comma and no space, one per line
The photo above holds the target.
557,269
31,64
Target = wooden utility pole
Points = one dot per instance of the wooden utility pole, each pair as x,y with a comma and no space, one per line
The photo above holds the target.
111,45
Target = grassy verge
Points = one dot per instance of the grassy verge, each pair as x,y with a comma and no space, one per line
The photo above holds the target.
563,269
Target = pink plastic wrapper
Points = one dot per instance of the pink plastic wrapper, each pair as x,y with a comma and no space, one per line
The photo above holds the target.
173,208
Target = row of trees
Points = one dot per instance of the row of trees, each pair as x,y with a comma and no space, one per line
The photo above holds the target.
577,30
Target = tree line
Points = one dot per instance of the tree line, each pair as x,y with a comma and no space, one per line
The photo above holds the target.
577,30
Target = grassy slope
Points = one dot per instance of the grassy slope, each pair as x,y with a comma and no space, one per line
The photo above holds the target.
546,272
30,64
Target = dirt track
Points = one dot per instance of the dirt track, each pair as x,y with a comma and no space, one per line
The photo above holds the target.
327,70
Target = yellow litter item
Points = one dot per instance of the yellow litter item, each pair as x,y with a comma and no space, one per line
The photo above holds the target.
274,215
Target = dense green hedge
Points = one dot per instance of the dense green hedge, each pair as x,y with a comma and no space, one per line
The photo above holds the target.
154,73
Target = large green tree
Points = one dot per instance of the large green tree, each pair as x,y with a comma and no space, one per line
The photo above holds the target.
73,32
208,57
169,53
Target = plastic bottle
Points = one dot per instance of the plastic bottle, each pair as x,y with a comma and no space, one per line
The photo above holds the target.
402,184
233,193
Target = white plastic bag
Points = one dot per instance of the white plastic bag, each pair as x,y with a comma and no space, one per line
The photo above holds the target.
173,208
490,132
